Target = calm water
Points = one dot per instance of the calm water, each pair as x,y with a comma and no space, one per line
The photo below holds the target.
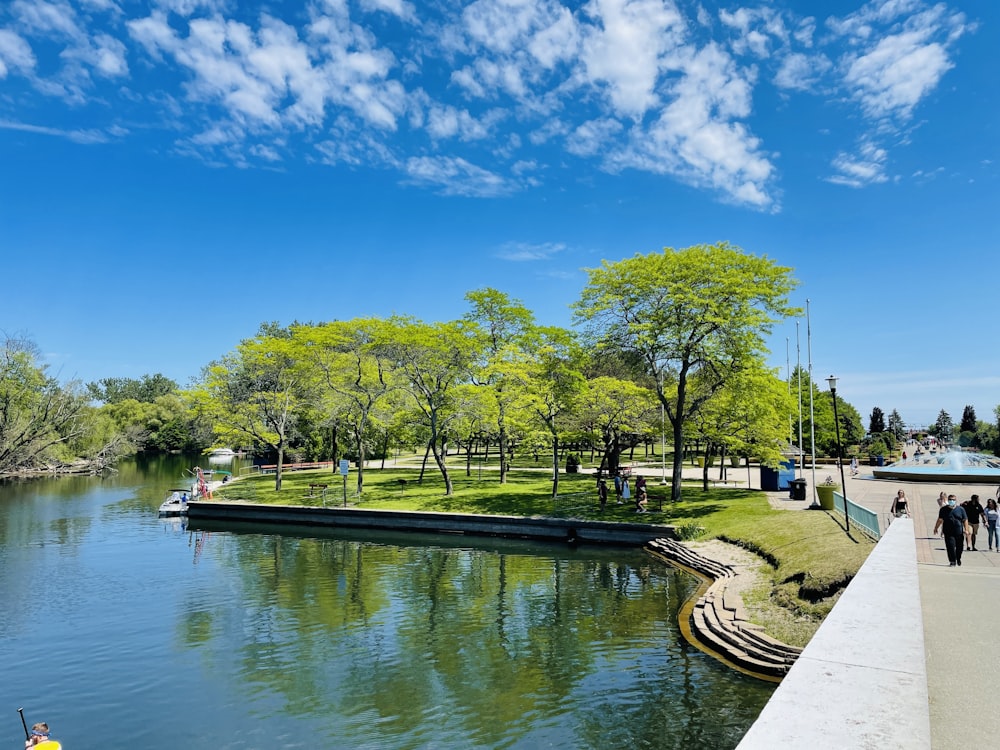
124,630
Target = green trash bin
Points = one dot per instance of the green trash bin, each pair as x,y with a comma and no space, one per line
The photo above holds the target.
825,492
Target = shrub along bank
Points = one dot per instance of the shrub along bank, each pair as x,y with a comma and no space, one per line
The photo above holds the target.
810,558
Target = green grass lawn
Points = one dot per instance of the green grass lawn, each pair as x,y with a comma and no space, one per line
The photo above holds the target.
810,557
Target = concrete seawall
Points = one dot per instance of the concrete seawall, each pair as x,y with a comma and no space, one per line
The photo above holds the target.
548,529
861,682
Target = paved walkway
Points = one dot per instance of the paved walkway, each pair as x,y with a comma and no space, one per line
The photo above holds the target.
960,606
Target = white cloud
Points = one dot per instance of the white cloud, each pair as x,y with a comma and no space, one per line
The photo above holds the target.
399,8
623,51
895,69
590,137
15,54
524,251
897,73
78,136
697,138
801,72
456,176
866,167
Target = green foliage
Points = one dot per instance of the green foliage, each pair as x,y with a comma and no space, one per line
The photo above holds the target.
876,423
968,423
572,463
694,318
38,416
943,428
146,389
689,531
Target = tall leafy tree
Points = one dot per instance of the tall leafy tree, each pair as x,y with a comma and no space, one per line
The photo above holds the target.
37,414
353,369
611,411
553,383
433,358
876,423
255,391
896,425
702,312
943,427
969,421
501,327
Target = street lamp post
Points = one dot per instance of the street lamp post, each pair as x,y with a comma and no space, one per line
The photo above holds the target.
840,461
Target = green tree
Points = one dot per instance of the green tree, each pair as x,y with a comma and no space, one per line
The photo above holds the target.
701,312
611,411
876,423
501,324
255,392
943,428
896,425
748,416
434,358
969,421
146,389
354,374
37,414
553,383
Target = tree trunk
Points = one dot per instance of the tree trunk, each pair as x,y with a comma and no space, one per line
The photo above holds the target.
502,427
423,465
277,470
439,460
555,465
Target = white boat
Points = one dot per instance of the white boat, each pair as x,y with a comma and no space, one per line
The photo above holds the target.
176,503
221,454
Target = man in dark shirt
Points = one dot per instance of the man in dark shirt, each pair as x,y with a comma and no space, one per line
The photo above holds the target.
974,510
952,520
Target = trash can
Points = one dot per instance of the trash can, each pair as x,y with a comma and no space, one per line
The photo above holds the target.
797,489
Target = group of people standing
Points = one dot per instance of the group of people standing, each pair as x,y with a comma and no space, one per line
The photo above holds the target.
623,491
959,524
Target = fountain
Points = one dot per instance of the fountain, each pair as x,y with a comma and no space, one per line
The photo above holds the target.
957,467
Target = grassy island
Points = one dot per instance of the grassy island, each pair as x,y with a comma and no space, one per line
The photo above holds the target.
809,559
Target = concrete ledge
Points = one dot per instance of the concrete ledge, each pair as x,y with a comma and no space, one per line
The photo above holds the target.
548,529
861,682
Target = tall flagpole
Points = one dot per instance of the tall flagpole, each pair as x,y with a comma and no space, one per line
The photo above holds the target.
788,379
812,419
798,368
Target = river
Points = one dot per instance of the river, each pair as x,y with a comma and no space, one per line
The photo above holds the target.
121,629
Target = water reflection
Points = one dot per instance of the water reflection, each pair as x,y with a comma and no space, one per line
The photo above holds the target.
241,638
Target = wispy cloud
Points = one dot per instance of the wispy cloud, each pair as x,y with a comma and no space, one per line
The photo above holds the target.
521,252
865,167
78,136
466,98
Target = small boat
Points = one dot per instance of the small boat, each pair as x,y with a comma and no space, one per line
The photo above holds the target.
176,503
221,453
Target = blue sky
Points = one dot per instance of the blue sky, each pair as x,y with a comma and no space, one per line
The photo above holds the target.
174,172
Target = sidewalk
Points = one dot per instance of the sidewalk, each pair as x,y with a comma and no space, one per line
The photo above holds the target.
959,606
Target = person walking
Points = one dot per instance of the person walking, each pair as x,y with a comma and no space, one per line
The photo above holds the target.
618,488
974,510
992,515
942,500
951,521
899,506
602,492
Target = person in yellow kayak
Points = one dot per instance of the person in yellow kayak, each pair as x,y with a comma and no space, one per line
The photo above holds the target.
39,738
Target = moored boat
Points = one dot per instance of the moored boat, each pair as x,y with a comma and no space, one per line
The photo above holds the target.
176,503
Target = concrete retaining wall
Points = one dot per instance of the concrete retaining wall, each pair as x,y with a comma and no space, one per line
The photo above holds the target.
861,682
548,529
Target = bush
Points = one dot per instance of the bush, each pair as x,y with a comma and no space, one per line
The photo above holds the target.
572,463
689,531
